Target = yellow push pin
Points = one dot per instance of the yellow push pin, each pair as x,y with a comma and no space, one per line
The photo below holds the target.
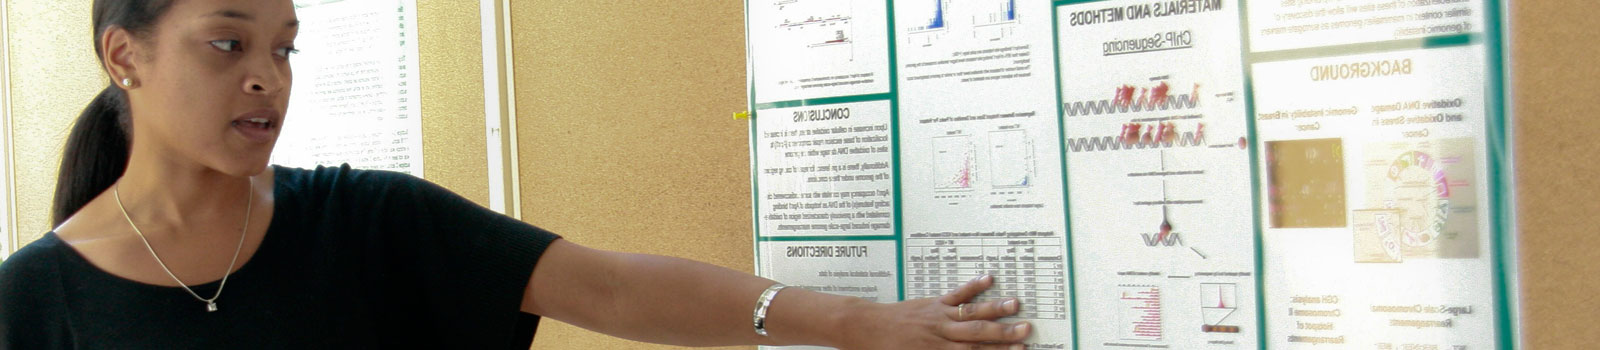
741,115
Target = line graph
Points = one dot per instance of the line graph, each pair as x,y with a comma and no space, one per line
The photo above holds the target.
817,29
835,29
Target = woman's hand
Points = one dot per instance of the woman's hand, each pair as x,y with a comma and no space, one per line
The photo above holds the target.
947,322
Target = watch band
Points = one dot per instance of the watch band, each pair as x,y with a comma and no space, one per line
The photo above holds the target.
761,307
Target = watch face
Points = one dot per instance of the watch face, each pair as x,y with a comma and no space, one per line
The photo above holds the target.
1419,199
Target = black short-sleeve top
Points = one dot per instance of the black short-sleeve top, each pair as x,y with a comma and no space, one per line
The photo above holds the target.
353,259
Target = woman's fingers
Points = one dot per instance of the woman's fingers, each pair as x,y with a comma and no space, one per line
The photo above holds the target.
973,328
985,310
985,331
967,291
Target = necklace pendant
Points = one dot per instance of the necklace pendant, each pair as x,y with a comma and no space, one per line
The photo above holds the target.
211,307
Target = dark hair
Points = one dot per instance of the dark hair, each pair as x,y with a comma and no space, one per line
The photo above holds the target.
97,149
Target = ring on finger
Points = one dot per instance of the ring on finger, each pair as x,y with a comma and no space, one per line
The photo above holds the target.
961,312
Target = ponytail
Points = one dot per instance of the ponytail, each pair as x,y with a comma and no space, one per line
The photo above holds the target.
96,153
97,149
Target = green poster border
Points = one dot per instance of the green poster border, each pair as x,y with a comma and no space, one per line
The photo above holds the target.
1501,176
1258,231
894,132
1061,135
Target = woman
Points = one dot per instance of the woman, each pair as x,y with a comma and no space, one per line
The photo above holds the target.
172,232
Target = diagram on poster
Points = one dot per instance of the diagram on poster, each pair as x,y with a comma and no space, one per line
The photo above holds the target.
1414,190
818,48
1158,175
1380,186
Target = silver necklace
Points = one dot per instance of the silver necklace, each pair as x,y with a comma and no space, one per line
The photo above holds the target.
211,304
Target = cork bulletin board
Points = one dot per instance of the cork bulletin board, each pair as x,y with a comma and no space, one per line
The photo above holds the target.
1554,83
626,136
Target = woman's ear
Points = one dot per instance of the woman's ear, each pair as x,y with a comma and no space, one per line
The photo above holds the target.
118,53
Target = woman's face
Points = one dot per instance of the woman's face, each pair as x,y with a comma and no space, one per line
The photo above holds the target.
213,83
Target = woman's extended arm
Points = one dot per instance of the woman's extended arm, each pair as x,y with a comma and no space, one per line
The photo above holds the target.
682,302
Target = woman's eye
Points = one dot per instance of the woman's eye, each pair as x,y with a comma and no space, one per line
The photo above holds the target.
226,45
285,52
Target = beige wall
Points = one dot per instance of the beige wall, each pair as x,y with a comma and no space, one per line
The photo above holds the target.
626,135
53,76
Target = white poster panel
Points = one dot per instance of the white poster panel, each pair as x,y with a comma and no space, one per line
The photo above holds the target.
356,95
1374,210
1158,174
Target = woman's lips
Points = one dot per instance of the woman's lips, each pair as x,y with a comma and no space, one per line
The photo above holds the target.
258,126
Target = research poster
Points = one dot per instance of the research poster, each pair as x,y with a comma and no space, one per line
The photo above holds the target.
977,117
357,99
1158,175
1144,174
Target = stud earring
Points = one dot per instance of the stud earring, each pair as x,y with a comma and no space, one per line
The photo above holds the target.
128,82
